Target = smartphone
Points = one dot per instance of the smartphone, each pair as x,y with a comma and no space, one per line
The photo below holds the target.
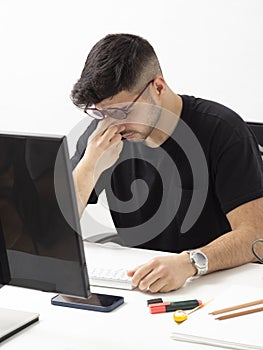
95,302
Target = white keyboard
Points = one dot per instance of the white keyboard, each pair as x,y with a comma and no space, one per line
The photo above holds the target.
109,277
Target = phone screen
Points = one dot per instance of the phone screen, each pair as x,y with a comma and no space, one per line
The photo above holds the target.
95,302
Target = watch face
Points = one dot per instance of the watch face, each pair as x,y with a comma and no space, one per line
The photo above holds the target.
200,261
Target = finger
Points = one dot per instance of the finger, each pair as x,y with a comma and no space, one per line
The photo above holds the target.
158,286
116,139
140,273
149,280
166,288
112,130
105,124
98,131
102,126
104,138
117,147
130,273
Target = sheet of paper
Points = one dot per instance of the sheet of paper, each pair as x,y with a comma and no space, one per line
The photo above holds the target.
244,332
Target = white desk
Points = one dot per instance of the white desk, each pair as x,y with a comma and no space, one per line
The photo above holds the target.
130,326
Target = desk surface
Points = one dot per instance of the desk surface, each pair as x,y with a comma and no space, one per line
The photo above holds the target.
130,326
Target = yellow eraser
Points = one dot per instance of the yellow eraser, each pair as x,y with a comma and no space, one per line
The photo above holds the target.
180,316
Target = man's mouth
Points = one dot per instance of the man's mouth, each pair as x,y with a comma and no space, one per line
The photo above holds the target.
127,134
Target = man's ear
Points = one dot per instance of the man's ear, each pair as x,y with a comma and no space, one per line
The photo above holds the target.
159,85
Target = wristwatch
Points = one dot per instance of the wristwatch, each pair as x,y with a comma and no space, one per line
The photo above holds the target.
199,260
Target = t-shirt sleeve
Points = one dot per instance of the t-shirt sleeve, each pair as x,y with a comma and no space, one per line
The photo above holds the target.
79,152
82,144
239,172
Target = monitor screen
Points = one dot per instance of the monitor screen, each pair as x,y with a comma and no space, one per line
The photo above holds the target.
41,246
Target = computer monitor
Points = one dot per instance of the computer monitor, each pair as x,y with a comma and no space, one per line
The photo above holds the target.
41,245
40,235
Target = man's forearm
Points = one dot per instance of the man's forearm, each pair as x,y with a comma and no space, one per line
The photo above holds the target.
103,150
235,247
84,182
230,250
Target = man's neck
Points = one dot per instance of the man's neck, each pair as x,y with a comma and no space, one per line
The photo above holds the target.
170,114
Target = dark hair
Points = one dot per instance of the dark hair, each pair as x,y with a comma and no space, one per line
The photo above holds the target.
115,63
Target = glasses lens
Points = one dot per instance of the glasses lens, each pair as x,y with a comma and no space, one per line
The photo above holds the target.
116,113
94,113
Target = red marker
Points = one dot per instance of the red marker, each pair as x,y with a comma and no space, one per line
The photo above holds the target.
173,306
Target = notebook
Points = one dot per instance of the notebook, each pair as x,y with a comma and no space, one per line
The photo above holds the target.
13,321
241,333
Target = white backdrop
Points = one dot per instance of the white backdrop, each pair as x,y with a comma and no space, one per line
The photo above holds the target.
207,48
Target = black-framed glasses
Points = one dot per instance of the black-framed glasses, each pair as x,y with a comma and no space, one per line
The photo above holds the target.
116,113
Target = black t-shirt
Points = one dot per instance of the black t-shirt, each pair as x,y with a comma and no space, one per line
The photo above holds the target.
176,196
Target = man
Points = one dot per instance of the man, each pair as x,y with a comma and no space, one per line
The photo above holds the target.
180,173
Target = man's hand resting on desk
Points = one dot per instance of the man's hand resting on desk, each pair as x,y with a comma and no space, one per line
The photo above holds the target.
163,274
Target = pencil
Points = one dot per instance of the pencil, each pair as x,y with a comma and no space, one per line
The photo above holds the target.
236,307
241,313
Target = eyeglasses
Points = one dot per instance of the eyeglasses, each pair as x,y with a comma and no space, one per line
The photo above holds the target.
116,113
